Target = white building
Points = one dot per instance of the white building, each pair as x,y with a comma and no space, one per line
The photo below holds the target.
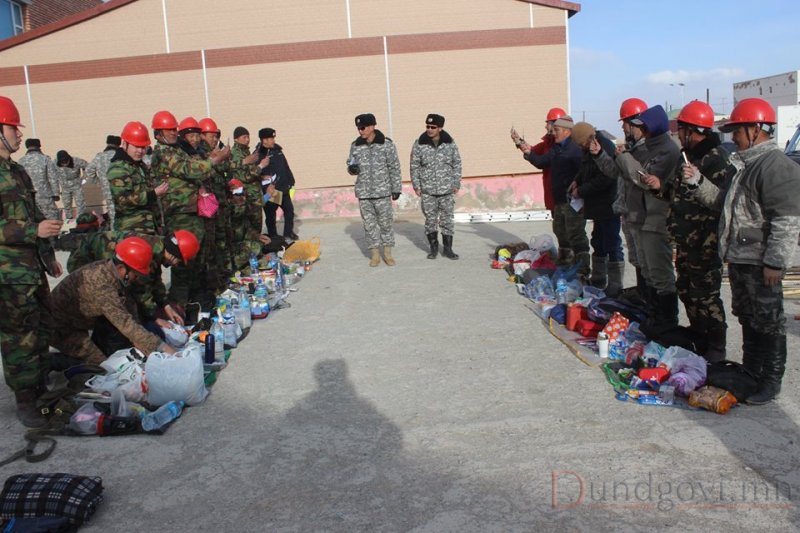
782,91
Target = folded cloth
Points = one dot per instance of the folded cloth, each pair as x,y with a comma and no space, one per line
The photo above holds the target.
56,495
38,525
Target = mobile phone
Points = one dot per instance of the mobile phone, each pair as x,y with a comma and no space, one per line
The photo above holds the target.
642,174
685,159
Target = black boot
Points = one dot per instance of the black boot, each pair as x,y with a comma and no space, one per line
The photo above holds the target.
665,312
27,413
433,240
447,247
716,337
773,357
751,354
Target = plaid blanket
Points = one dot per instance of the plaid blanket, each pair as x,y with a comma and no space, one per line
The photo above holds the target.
56,495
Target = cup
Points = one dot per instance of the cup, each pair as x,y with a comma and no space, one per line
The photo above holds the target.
602,345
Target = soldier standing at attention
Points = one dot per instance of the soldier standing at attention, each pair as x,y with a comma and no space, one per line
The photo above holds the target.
131,186
252,181
25,256
44,176
69,176
373,159
436,176
97,172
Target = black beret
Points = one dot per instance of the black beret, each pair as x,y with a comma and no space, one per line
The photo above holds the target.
33,143
113,140
266,133
367,119
435,120
238,131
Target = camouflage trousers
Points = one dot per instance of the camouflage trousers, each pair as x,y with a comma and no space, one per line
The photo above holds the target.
570,228
188,282
754,304
25,328
699,278
378,217
438,211
48,207
67,197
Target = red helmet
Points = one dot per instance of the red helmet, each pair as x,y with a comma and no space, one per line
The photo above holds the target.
136,253
187,243
188,125
631,107
164,120
207,125
750,111
697,113
136,133
555,113
9,114
235,184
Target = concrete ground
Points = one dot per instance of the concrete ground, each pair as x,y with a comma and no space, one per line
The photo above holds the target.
428,397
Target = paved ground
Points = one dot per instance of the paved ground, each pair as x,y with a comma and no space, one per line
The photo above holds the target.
427,397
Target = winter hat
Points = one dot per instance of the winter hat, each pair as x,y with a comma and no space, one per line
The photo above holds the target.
238,131
33,143
266,133
581,132
435,120
364,120
113,140
565,122
63,158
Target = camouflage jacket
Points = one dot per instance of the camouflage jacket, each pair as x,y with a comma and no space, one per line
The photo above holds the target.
22,253
435,169
379,167
96,291
184,175
43,173
760,217
135,202
70,177
251,178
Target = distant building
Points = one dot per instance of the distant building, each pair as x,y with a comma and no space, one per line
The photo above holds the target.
18,16
782,92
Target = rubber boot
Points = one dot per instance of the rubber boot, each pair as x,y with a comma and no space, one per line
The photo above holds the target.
599,276
616,273
387,256
27,413
375,258
665,312
716,337
773,365
641,284
751,351
582,259
565,257
433,240
447,247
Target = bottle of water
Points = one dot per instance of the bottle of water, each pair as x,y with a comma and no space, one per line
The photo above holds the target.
561,291
229,329
162,417
261,299
253,264
280,279
219,339
244,306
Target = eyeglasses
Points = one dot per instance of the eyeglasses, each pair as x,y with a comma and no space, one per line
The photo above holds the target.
432,127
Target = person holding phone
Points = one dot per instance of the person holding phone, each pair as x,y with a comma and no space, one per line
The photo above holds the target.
280,181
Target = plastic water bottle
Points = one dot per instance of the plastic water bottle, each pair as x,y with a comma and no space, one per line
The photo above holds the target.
253,264
219,339
244,308
162,417
229,329
280,278
561,291
262,299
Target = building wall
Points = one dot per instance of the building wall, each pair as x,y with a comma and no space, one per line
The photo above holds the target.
42,12
778,90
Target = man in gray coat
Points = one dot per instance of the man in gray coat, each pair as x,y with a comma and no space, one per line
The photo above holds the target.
436,176
97,172
44,176
373,159
758,231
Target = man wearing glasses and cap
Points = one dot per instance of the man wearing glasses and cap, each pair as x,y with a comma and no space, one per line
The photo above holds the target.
436,177
373,159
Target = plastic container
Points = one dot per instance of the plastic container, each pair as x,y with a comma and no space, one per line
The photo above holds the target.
253,265
260,307
602,345
159,419
561,291
210,350
244,310
219,339
229,329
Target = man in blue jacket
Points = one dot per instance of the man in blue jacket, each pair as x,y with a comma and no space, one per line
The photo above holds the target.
277,176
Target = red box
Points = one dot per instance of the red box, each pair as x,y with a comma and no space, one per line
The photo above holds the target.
587,328
658,374
576,313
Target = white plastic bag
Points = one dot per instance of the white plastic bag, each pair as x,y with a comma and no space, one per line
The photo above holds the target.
124,372
175,335
177,377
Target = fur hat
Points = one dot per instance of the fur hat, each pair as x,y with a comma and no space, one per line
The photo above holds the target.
114,140
238,131
367,119
565,122
266,133
33,143
434,120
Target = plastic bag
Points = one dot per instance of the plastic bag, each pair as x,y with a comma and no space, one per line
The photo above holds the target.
128,376
303,251
522,261
175,335
544,243
177,377
540,289
687,370
84,420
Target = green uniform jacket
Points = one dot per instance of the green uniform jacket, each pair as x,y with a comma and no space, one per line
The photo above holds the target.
184,175
136,207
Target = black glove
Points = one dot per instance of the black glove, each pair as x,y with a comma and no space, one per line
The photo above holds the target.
395,195
353,170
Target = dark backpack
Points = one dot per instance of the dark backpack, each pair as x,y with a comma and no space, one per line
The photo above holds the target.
732,377
602,310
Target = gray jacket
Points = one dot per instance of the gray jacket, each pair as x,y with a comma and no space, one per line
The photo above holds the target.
761,210
435,170
43,173
630,190
379,167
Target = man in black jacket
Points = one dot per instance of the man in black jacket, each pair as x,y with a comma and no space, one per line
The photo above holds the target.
276,180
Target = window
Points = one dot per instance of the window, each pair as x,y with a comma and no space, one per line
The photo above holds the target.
16,18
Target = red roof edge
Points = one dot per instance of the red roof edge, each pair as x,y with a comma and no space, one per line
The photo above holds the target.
571,7
66,22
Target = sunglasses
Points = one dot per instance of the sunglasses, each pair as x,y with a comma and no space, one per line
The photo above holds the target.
432,127
362,128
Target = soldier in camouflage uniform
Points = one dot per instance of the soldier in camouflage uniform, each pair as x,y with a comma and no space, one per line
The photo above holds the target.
98,297
25,256
246,237
69,178
758,230
373,159
436,176
97,172
134,191
44,176
693,228
251,180
184,174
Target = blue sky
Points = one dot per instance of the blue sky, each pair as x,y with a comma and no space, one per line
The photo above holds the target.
621,48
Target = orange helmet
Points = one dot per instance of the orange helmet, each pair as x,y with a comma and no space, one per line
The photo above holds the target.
631,107
555,113
164,120
207,125
136,133
188,125
9,114
697,113
136,253
187,243
750,111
